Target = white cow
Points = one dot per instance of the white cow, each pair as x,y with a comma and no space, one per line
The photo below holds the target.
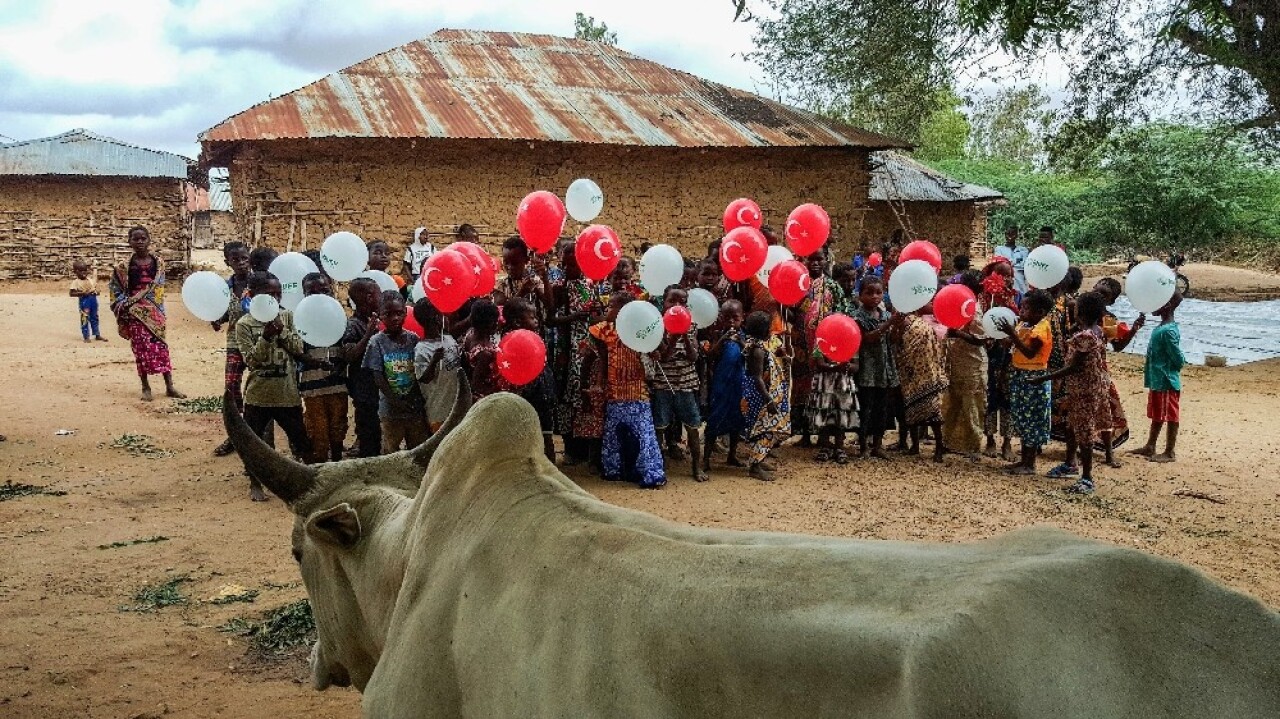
499,588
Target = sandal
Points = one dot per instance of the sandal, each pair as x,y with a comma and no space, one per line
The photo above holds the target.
840,457
1063,471
823,455
1084,485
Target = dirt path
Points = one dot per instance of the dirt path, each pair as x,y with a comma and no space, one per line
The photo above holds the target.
1218,283
68,649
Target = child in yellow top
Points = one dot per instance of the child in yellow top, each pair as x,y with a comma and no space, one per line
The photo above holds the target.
1029,400
85,289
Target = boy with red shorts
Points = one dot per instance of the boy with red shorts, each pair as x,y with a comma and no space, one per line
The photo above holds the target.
1163,378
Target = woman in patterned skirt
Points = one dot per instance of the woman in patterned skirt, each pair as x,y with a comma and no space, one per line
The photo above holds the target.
137,299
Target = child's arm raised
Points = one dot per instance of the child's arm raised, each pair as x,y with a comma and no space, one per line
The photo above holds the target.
1028,349
1119,343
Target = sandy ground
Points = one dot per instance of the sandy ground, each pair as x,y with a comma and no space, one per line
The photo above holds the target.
1210,282
67,649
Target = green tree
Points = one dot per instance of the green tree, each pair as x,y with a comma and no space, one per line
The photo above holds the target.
878,64
1010,125
585,27
945,133
1128,59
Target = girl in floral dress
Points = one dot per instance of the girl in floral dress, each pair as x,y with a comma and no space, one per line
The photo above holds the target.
575,302
1087,402
137,299
765,397
820,301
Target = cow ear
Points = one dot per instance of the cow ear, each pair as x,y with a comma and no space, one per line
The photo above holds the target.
338,525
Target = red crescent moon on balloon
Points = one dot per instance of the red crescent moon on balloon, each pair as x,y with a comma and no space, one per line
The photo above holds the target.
804,283
741,210
426,279
790,235
969,308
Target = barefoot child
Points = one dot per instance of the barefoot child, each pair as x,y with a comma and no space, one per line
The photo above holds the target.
1118,335
270,351
675,387
765,395
85,289
323,386
390,357
236,256
364,294
724,396
1162,376
998,291
435,363
1088,402
1029,400
627,407
877,375
921,371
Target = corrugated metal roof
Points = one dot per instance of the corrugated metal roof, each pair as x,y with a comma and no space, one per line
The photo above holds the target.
515,86
899,178
80,152
219,190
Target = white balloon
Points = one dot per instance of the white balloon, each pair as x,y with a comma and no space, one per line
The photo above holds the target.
1149,286
1046,266
777,255
704,307
989,321
320,320
661,267
344,256
206,295
912,285
264,308
385,281
416,292
290,300
290,268
640,326
584,200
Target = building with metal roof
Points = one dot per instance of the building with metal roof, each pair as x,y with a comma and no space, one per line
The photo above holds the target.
75,196
80,152
459,126
910,200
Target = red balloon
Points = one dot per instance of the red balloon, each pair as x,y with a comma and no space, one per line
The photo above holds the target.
742,253
598,250
921,250
482,265
955,306
789,282
521,356
808,227
838,337
448,279
742,212
411,323
540,220
677,320
873,260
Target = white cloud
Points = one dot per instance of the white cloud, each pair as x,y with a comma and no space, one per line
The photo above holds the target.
158,72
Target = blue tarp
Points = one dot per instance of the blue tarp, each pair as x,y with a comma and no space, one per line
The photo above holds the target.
1240,331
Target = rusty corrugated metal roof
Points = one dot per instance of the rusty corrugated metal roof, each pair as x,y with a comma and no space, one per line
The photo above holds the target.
80,152
467,84
900,178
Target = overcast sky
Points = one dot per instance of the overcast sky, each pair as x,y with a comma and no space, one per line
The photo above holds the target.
158,72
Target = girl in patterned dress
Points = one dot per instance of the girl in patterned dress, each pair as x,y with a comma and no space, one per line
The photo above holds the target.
724,394
921,370
137,300
1087,401
832,404
574,299
765,397
1029,400
819,302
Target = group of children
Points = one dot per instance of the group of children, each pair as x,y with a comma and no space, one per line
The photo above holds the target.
753,379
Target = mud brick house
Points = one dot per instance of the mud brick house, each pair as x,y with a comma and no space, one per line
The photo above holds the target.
459,126
76,195
926,204
210,213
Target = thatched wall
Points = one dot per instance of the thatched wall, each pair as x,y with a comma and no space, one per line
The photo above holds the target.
46,222
292,194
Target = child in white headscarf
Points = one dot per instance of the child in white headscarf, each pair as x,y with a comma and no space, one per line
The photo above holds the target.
416,254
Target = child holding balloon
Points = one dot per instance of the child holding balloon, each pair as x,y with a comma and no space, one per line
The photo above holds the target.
362,325
1162,376
877,375
627,409
323,386
520,314
389,356
436,360
1029,400
271,350
675,387
964,406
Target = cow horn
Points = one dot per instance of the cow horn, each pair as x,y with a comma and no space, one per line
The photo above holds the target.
286,479
421,454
